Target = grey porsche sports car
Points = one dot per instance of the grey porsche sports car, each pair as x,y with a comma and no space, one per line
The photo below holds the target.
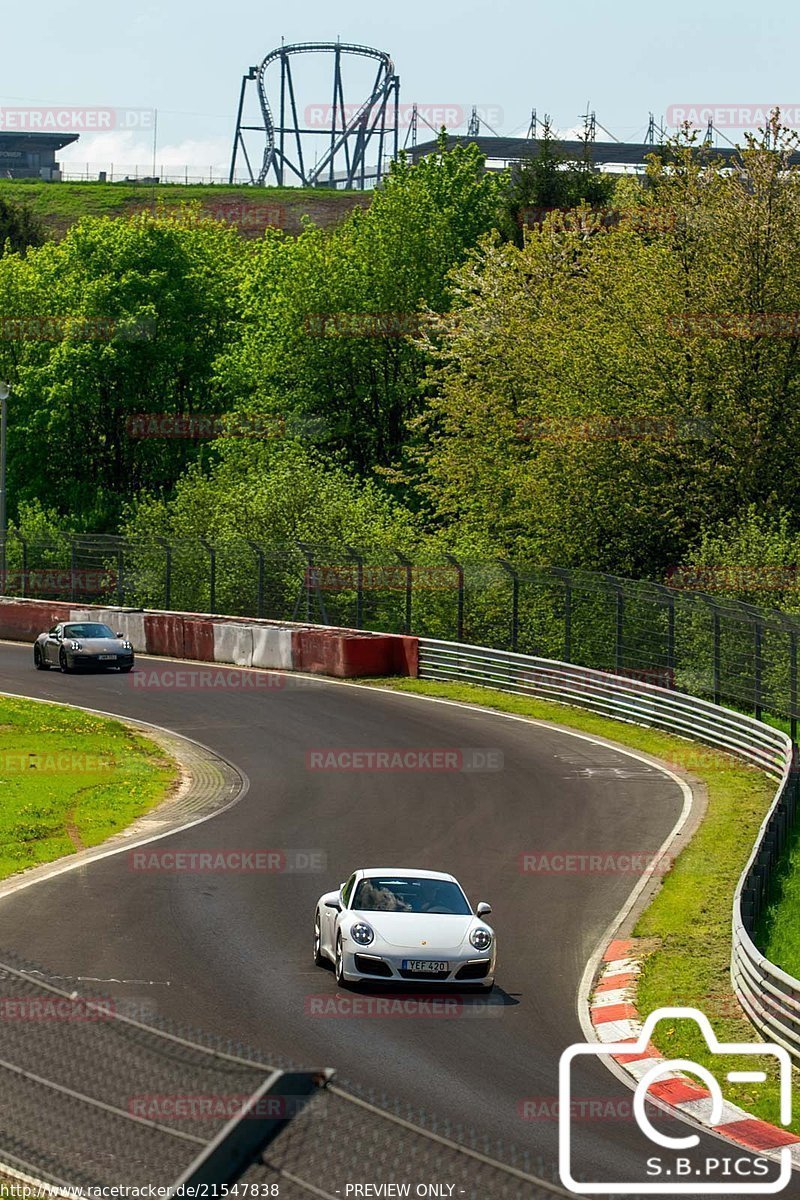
76,644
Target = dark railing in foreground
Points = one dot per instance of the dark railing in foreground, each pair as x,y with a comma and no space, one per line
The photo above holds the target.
718,649
124,1116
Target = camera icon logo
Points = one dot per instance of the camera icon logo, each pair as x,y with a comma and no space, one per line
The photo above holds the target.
668,1181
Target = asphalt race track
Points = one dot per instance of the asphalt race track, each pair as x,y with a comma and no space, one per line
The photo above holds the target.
231,952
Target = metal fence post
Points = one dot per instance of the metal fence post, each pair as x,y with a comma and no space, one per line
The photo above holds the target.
460,617
758,630
359,561
212,580
259,553
73,559
409,566
671,634
619,628
23,542
167,571
311,580
514,601
567,619
717,669
793,684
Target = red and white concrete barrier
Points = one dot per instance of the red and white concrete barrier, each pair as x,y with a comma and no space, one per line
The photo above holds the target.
237,641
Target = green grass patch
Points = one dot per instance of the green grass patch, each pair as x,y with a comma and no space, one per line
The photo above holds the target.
70,780
60,205
689,919
779,929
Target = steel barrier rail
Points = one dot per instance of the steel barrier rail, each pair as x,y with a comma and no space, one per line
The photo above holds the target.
769,996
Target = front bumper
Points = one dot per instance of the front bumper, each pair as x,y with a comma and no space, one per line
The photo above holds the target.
365,964
85,661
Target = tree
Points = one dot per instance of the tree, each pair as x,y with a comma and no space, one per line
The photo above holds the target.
607,393
275,493
550,181
329,315
122,317
19,227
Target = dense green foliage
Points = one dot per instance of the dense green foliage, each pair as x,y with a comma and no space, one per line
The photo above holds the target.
118,319
613,388
19,227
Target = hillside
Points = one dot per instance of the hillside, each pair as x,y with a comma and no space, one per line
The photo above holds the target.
60,205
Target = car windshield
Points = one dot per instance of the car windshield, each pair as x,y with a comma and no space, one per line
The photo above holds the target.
411,895
88,631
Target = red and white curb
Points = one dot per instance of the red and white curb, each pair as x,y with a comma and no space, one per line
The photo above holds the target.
615,1018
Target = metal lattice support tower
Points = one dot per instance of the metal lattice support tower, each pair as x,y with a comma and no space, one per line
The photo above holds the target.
346,137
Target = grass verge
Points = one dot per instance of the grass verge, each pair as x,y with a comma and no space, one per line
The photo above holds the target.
252,210
779,930
689,919
70,780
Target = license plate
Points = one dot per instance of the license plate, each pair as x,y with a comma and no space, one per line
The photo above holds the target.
107,658
425,968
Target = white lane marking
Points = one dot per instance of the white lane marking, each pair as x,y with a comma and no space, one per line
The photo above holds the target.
93,979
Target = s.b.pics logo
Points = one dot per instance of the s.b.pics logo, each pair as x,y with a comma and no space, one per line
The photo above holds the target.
672,1160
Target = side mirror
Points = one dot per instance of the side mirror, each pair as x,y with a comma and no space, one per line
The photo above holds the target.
483,909
119,635
333,904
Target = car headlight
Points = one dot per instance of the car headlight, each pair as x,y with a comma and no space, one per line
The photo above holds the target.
481,939
75,646
127,646
362,934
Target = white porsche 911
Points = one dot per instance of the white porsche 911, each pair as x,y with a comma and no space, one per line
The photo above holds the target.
404,925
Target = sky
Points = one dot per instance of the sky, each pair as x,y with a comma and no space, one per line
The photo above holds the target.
185,59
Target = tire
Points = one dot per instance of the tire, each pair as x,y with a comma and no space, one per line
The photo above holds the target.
339,967
63,663
126,670
319,958
39,659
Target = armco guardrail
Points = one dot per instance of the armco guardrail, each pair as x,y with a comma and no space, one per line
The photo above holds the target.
769,995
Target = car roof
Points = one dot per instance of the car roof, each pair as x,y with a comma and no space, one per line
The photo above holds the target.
392,872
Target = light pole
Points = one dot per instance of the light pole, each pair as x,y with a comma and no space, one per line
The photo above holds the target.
5,392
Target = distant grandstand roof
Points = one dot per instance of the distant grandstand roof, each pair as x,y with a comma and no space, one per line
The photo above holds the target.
36,141
508,149
25,155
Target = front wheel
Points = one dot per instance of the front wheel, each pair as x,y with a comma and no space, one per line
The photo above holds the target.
39,660
319,960
63,663
340,979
